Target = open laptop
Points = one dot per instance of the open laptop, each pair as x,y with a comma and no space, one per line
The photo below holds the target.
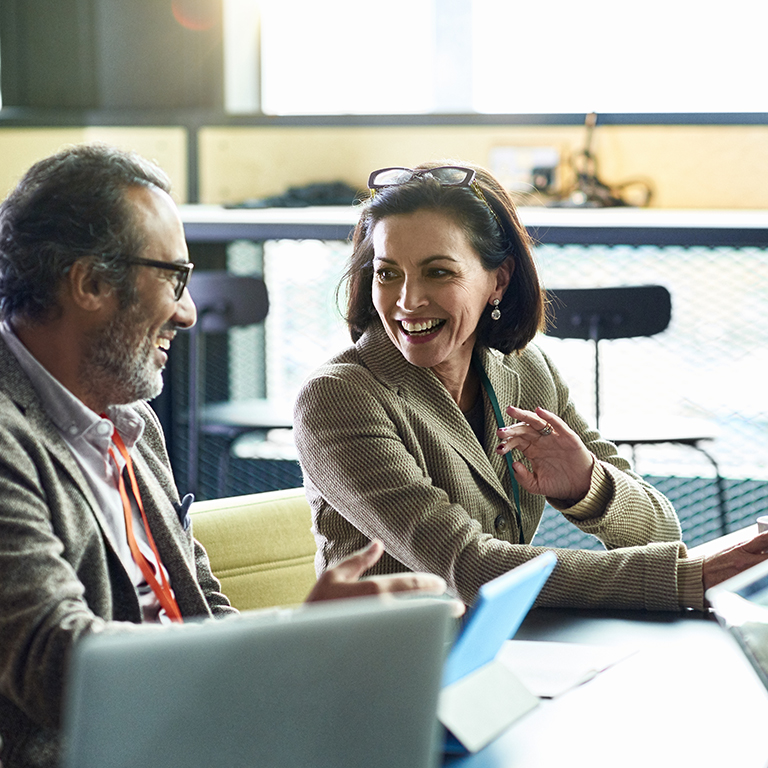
337,685
741,606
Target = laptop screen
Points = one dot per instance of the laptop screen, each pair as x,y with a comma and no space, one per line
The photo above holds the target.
741,606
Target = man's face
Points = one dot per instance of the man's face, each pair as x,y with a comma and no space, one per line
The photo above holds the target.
126,357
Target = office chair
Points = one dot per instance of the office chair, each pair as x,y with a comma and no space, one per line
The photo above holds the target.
223,301
601,314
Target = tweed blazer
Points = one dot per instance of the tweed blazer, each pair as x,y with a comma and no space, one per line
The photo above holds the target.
387,453
60,576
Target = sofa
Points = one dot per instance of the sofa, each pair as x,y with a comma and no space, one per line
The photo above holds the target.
260,546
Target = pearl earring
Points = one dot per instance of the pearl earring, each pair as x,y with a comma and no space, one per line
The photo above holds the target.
496,312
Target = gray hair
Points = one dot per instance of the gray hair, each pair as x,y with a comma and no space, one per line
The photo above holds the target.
70,206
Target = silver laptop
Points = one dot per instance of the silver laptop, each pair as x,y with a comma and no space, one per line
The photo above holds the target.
741,606
338,685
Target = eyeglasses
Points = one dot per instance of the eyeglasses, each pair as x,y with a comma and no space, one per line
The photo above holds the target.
446,175
183,271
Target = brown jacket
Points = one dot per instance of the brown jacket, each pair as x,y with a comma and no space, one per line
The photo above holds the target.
387,453
60,575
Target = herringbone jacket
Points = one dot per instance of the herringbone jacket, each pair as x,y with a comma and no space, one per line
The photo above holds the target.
387,453
60,575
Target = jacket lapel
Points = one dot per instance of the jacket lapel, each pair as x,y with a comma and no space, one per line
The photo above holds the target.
426,394
19,389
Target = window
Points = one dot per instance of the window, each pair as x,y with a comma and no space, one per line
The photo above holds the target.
493,56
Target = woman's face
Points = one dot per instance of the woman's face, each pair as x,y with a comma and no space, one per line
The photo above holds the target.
430,289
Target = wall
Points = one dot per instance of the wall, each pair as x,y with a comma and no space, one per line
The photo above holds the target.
21,147
690,166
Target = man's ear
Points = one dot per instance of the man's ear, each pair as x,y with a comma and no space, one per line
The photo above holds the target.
87,291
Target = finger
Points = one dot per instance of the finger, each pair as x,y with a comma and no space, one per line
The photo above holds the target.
524,477
758,545
537,420
356,564
427,583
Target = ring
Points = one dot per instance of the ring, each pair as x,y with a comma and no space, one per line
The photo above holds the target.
547,430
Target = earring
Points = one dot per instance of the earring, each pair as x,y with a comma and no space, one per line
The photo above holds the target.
496,312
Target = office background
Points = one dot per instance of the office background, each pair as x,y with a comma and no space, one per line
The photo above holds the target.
154,76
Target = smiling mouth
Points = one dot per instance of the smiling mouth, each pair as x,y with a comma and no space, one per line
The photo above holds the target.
423,328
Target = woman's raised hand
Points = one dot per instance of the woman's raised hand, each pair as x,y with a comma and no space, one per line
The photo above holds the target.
560,464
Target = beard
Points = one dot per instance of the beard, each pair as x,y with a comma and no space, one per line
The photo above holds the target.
120,362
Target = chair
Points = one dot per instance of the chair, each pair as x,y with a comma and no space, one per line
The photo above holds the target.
223,301
601,314
260,546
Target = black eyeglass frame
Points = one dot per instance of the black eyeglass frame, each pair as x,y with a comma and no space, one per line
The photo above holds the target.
467,181
469,176
183,271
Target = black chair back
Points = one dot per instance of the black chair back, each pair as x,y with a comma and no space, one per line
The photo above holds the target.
609,313
223,301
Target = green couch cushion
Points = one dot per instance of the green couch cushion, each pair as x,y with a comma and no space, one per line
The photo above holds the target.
260,546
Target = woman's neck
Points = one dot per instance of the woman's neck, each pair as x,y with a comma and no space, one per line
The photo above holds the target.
462,383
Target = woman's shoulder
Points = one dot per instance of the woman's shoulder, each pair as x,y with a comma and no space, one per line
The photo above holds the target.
531,358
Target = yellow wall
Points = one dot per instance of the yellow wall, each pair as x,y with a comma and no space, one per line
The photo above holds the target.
21,147
690,166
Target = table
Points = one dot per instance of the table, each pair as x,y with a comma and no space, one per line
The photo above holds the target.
688,697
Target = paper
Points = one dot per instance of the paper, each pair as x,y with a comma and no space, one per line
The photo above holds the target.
548,669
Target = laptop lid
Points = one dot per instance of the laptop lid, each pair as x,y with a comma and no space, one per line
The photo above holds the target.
335,685
741,606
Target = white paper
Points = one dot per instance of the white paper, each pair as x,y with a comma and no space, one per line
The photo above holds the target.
548,669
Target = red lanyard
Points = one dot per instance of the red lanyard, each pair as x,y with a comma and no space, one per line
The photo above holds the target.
162,589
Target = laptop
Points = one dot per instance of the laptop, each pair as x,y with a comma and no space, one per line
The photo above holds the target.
741,606
335,685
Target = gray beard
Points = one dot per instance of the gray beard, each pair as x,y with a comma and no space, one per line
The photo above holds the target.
119,368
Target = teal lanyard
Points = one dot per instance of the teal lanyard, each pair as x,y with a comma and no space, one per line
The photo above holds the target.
500,421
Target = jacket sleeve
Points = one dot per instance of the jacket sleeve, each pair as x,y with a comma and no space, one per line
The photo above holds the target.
365,478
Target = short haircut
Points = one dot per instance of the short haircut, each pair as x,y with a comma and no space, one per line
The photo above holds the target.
495,236
70,206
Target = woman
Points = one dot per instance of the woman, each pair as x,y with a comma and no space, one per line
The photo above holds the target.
402,437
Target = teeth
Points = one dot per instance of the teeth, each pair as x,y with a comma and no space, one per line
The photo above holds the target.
417,327
163,344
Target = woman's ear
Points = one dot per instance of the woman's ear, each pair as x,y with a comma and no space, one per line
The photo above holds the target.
503,277
86,290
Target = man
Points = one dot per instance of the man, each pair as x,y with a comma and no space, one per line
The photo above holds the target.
93,273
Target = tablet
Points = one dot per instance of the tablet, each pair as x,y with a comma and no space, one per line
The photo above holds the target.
495,616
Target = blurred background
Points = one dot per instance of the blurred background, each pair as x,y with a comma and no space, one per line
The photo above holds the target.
641,134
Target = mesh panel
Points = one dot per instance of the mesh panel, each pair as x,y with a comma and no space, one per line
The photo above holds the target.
710,364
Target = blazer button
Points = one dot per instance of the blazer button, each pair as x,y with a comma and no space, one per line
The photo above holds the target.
501,523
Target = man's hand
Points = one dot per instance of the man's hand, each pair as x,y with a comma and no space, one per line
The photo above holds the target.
343,580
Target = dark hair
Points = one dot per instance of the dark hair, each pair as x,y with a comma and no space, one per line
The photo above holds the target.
495,236
66,207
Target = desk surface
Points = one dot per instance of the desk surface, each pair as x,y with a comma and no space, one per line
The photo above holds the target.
688,697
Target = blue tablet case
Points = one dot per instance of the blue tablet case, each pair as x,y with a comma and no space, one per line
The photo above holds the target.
498,611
